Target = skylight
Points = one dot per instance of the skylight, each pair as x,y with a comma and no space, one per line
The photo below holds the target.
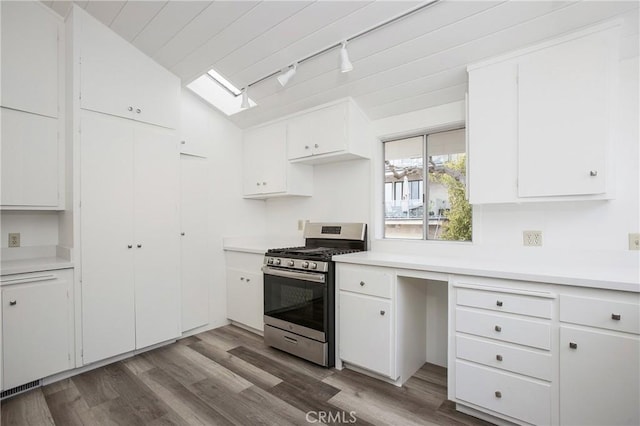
219,92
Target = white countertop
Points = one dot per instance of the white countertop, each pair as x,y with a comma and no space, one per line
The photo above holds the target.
259,245
21,266
582,275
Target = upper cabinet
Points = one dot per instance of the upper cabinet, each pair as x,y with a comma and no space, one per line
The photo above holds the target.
331,133
32,141
266,171
540,121
117,79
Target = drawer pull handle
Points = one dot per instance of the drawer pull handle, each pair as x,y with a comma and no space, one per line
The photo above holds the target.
573,345
615,317
13,302
290,340
498,302
382,312
498,394
499,357
497,328
361,283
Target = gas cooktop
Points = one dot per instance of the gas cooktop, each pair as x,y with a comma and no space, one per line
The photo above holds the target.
311,253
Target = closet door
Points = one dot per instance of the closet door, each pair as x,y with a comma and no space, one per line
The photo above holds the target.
157,235
108,323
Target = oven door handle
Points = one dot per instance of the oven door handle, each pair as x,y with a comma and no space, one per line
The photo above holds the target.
305,276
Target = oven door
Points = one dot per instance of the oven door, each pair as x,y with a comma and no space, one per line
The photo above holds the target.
296,301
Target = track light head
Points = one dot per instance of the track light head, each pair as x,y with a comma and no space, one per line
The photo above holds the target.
345,63
245,98
284,78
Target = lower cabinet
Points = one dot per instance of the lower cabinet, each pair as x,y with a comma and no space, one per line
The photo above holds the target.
37,326
599,366
245,289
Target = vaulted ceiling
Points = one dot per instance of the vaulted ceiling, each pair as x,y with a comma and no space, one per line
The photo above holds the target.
414,63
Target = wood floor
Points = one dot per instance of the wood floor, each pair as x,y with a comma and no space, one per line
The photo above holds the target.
227,376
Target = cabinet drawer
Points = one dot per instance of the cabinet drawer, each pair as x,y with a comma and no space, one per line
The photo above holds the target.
608,314
505,302
366,280
509,358
508,329
516,397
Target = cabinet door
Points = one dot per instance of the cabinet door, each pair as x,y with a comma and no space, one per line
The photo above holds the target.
194,201
106,220
29,159
265,162
30,45
599,379
493,132
157,235
157,94
35,330
245,298
564,117
318,132
366,336
109,70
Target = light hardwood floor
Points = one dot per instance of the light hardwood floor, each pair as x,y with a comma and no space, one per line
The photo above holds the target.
227,376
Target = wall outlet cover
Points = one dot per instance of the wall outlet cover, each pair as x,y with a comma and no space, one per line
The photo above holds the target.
14,239
634,241
532,238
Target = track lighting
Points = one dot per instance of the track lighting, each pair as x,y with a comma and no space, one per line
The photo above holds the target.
345,63
245,98
284,78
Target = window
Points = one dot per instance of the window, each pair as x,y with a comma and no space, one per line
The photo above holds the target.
440,180
219,92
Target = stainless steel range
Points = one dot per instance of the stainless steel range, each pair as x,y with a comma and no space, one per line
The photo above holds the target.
299,290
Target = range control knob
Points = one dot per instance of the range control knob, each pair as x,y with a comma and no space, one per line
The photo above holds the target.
291,263
278,261
305,265
270,261
314,265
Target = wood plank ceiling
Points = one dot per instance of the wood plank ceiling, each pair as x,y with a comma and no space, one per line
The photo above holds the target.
414,63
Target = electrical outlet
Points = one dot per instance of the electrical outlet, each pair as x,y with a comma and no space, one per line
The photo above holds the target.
14,239
532,238
634,241
300,224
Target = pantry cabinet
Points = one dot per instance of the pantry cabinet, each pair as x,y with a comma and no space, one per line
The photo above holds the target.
117,79
531,111
130,248
330,133
600,359
245,289
37,325
266,171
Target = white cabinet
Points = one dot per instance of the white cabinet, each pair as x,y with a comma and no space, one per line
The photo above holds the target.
32,150
30,45
331,133
600,359
266,171
117,79
30,167
194,219
367,336
245,289
37,325
502,360
540,121
130,246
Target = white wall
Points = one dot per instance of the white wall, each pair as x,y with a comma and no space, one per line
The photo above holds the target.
229,214
36,228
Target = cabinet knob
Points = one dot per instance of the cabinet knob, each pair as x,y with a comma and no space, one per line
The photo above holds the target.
13,302
361,283
139,246
593,173
130,108
306,147
264,183
497,328
382,312
183,142
615,317
248,279
498,357
129,245
182,233
138,110
498,302
241,278
573,345
498,394
258,183
316,146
